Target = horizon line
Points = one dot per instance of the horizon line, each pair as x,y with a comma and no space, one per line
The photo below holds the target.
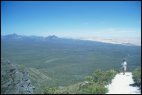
98,40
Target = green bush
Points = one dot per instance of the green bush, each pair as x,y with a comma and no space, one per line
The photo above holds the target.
49,90
95,88
98,80
103,77
137,76
108,76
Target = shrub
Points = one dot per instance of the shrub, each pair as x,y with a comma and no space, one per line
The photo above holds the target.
95,88
137,76
97,81
49,90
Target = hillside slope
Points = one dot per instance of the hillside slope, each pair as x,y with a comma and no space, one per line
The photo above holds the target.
121,84
14,80
18,79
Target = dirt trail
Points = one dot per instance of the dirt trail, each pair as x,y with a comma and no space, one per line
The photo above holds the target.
121,85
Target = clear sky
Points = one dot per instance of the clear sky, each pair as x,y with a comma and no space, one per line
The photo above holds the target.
75,19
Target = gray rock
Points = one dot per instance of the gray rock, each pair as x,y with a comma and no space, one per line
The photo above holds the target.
14,81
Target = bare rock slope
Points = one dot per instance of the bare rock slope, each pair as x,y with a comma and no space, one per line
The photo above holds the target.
13,80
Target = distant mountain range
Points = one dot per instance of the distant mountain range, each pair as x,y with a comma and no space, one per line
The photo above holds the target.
51,37
16,36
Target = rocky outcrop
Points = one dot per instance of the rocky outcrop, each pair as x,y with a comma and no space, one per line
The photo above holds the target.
13,80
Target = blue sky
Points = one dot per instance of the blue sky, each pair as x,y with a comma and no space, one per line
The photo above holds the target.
75,19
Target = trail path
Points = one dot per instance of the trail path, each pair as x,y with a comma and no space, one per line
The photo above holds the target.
121,85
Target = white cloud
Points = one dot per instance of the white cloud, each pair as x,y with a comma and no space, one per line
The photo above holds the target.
116,36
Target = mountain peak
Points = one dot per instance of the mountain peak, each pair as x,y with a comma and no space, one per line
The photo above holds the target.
52,37
12,35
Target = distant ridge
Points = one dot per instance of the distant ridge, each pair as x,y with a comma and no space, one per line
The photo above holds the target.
54,37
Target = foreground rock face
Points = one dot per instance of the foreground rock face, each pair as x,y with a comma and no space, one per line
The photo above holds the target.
121,84
13,80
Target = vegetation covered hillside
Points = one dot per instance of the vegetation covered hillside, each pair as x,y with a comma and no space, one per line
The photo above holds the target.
96,83
18,79
67,61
